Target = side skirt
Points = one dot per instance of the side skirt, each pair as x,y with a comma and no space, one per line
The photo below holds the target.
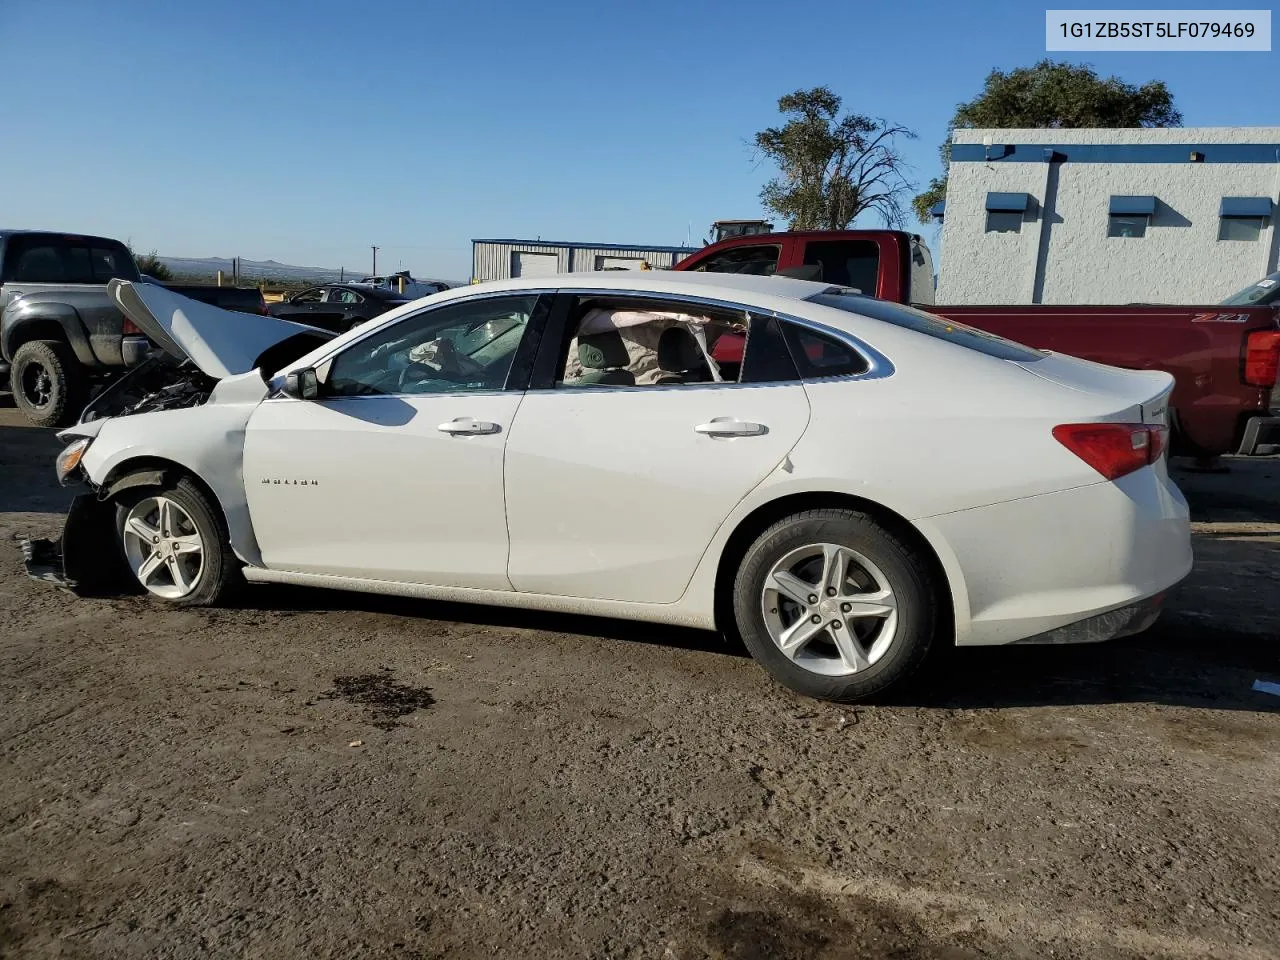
668,614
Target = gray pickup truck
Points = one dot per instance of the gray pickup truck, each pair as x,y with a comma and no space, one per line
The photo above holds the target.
59,332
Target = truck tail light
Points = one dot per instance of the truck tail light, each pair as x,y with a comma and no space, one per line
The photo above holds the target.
130,329
1114,449
1262,358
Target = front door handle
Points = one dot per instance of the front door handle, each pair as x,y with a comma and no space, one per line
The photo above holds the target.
468,426
731,427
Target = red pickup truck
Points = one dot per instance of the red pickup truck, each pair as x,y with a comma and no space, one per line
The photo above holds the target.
1224,357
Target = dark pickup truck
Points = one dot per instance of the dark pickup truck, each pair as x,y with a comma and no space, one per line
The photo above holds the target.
1224,357
59,332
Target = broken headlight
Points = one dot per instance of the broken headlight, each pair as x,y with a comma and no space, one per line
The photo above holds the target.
69,458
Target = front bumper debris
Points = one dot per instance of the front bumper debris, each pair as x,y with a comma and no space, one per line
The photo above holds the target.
85,559
1111,625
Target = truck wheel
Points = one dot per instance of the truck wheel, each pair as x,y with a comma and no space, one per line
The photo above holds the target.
48,384
833,605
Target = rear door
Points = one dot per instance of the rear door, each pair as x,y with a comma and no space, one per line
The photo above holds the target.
614,491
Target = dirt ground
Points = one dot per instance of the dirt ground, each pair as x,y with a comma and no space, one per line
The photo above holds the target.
330,775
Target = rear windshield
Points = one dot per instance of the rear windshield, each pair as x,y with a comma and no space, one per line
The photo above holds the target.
931,326
1265,291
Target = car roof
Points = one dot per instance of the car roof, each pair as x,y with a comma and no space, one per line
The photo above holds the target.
721,285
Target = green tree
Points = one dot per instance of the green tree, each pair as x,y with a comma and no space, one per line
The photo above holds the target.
1053,94
150,264
832,167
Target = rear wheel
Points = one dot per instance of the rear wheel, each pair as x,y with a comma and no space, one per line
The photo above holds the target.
176,545
48,383
833,605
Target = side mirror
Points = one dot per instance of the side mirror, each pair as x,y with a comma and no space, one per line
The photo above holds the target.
302,384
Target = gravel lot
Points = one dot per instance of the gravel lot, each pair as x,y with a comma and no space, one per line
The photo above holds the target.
332,775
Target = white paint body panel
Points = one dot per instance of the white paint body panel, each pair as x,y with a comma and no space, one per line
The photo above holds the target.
370,487
615,506
611,495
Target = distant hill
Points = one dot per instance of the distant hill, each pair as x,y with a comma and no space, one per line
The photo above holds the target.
253,269
268,269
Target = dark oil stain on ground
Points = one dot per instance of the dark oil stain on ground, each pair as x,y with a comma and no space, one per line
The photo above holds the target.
385,700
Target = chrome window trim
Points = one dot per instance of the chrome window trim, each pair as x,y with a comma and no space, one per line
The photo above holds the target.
326,361
878,365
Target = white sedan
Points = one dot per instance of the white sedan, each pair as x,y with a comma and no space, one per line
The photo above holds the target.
838,480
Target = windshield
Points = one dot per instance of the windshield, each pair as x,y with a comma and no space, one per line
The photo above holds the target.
938,327
1265,291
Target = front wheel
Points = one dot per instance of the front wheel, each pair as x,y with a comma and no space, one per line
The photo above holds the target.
833,605
176,545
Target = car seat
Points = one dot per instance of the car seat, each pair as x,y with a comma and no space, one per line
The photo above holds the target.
604,359
680,358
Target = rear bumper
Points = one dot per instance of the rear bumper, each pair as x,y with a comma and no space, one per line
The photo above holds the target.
1084,564
1259,432
1111,625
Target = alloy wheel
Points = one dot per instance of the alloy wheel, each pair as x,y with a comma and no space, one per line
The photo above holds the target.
37,385
829,609
164,547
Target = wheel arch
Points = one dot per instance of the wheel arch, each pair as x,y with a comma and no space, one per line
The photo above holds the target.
28,320
945,572
150,470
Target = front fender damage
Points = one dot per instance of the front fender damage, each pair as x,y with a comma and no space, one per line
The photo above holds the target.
86,559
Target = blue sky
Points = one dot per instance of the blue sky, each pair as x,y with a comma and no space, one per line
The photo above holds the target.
306,131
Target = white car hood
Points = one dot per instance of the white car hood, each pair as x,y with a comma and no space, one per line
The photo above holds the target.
222,343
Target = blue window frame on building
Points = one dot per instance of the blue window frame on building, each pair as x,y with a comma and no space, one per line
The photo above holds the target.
1243,218
1006,211
1129,216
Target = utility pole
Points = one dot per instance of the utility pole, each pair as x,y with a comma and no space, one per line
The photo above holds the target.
375,261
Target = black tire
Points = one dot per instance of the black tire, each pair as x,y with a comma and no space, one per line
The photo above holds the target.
49,385
220,578
898,560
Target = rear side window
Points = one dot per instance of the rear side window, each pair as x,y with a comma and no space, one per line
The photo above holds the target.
937,327
818,355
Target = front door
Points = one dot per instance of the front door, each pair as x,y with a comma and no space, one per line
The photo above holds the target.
619,475
395,471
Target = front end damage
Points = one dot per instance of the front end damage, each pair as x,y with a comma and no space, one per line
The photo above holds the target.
86,559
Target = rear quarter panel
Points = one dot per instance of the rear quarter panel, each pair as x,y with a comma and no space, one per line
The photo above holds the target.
1204,356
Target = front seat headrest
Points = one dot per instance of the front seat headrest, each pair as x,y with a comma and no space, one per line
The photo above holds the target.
678,351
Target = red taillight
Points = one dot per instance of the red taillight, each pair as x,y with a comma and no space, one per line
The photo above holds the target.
1114,449
130,329
1262,358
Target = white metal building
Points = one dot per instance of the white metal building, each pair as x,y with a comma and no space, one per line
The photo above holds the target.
503,259
1173,215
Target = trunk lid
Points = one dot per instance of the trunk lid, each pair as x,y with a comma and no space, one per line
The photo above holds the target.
221,343
1137,396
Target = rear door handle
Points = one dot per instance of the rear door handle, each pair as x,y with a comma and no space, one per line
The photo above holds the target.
468,426
730,427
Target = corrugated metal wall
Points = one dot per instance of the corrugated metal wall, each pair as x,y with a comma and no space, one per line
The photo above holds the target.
492,261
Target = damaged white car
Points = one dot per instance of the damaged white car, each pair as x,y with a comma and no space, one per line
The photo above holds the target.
839,480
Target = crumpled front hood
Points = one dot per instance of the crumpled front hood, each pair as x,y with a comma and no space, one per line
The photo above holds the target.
222,343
